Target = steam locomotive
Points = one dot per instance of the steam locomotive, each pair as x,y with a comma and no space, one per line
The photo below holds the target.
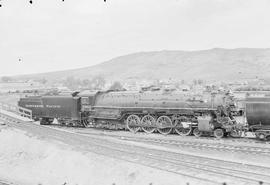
165,112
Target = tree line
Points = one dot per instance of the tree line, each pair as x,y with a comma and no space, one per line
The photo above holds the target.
95,83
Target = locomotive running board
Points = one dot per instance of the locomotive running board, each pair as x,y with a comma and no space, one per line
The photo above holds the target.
154,108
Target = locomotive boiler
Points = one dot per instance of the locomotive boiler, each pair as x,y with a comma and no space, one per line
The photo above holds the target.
162,111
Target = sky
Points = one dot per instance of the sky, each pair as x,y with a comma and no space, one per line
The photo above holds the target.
51,35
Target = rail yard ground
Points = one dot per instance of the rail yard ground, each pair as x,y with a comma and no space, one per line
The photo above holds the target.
90,156
57,163
37,154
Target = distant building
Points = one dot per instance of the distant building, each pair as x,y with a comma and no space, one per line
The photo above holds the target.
20,86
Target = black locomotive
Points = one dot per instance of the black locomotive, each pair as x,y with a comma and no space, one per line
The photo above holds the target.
150,111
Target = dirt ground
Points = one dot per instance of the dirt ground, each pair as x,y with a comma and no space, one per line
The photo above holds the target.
34,161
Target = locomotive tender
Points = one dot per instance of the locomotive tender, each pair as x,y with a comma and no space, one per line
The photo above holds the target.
149,111
65,108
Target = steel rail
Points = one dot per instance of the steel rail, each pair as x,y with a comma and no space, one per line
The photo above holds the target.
104,144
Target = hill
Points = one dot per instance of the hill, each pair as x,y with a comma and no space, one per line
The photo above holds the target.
213,64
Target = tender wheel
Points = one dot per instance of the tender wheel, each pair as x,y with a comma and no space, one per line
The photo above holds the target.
133,123
219,133
150,124
196,132
71,123
42,121
45,121
164,125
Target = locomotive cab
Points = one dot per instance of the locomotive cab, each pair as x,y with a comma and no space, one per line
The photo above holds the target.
87,100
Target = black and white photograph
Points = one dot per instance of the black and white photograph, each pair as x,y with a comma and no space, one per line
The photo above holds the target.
134,92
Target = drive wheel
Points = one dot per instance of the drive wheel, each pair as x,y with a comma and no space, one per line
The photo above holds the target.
164,124
184,131
149,123
196,132
180,129
133,122
219,133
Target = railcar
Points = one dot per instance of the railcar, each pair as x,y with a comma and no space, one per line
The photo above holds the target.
258,116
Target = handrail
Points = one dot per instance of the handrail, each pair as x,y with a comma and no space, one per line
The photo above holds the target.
16,109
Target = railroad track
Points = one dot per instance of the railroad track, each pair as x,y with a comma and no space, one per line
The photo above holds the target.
204,170
219,147
164,140
247,140
184,143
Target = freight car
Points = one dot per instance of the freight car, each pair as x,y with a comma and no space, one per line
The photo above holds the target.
258,116
149,111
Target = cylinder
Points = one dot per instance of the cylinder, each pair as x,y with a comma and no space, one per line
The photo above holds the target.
258,111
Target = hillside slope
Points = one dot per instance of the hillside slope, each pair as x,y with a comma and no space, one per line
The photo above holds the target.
214,64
